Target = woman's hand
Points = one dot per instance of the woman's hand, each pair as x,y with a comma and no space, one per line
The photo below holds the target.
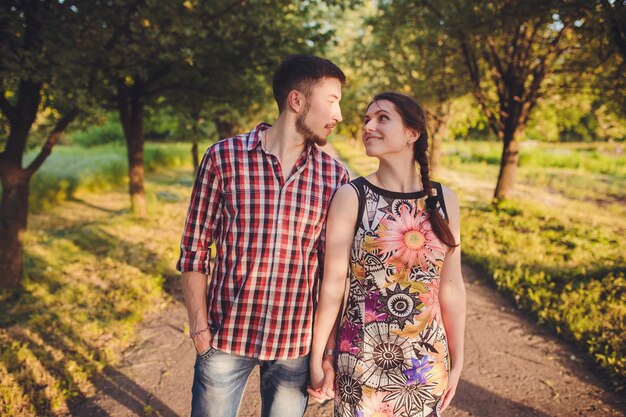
321,386
453,381
328,384
316,377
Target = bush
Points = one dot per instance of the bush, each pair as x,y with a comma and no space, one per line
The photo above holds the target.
110,132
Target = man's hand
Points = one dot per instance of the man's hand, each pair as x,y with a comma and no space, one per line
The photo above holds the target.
321,388
202,341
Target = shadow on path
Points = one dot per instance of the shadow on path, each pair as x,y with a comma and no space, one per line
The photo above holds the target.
126,392
478,401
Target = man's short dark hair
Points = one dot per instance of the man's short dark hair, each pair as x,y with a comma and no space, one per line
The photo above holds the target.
302,72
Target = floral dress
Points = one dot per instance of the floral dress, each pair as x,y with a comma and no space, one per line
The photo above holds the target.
392,350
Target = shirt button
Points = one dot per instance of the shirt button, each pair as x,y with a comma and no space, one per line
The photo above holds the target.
280,222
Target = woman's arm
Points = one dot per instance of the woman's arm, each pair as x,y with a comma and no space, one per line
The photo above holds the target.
452,298
340,226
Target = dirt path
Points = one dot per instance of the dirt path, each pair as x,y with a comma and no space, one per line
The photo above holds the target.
513,368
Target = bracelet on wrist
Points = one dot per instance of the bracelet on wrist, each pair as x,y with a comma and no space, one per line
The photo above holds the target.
330,352
194,334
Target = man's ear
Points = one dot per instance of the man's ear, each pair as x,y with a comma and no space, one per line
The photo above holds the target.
295,100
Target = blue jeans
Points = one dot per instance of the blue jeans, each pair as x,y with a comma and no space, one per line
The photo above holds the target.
220,379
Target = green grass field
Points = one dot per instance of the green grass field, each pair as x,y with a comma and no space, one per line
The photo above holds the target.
93,271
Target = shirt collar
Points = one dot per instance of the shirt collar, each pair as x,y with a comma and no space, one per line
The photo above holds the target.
254,138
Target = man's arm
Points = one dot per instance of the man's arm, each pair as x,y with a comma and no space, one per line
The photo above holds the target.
200,227
194,290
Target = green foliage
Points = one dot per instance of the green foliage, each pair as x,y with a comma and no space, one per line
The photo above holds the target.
45,70
559,254
575,118
109,132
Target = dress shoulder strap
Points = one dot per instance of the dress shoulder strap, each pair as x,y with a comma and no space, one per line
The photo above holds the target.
359,186
437,192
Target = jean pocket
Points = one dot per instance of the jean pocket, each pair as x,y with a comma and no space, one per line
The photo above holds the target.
205,354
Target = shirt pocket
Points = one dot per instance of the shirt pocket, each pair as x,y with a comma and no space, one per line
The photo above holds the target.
310,215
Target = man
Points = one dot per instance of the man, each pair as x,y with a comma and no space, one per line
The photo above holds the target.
262,197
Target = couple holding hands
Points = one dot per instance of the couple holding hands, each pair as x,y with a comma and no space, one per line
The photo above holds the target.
341,289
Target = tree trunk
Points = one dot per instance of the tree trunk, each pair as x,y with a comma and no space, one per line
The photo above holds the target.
195,139
225,129
136,174
13,223
16,180
434,156
438,128
509,162
194,155
131,115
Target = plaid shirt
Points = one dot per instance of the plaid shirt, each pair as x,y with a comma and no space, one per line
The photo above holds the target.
269,236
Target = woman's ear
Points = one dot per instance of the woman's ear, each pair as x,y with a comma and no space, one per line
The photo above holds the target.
412,136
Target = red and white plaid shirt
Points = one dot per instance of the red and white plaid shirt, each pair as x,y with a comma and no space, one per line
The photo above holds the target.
269,236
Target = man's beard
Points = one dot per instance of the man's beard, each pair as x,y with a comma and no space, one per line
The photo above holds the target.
305,131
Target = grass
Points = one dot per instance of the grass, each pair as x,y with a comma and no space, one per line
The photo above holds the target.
92,272
601,158
556,246
70,169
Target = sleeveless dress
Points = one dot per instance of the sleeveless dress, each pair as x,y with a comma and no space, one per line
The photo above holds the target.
392,358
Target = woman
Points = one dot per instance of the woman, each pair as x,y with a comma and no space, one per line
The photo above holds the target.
395,234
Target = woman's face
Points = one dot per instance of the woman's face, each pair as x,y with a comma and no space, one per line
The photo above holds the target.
384,131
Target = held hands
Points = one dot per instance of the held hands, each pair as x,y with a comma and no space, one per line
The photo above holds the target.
322,380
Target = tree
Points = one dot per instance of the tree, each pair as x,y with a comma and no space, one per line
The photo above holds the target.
144,49
509,48
162,49
42,66
602,60
410,53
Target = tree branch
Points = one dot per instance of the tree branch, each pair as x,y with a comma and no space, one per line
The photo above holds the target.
7,109
227,9
52,140
472,65
500,77
495,57
616,24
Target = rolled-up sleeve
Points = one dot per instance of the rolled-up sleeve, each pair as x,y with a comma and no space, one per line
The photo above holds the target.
203,218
